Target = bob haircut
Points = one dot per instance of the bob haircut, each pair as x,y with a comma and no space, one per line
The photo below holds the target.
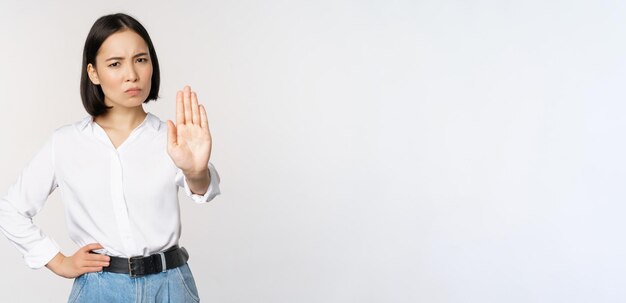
91,94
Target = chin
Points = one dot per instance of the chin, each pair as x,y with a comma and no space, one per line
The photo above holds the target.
133,102
137,99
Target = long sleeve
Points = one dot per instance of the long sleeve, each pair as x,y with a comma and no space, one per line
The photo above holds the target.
24,199
212,191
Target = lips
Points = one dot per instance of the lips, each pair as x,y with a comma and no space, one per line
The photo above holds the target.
132,89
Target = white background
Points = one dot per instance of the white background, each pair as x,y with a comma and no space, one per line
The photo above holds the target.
369,151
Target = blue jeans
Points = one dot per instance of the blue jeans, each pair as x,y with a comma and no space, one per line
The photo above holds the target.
174,285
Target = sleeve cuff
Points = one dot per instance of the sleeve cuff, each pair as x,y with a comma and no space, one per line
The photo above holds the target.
42,253
212,191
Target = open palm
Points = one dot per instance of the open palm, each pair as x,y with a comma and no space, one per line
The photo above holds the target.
189,141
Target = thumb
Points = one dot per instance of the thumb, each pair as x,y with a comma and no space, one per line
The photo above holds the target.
91,246
171,133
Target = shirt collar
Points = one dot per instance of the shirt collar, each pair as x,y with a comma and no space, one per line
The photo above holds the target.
151,120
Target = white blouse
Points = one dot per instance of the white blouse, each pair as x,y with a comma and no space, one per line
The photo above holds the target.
126,199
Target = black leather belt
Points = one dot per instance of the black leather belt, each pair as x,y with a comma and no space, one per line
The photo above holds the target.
140,266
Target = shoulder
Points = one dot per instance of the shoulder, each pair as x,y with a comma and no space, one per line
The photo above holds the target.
72,127
156,123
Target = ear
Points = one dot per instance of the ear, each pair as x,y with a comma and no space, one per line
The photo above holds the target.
93,74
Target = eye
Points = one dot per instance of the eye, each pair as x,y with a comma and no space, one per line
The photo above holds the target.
144,59
114,64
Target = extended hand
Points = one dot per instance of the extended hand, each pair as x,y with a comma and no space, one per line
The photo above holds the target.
189,141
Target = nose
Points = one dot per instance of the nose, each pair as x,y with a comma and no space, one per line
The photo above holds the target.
131,74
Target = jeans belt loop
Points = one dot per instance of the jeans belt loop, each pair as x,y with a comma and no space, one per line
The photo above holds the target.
163,265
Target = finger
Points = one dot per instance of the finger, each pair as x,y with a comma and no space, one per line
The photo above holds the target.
195,113
187,104
91,269
91,246
97,257
180,110
204,123
171,133
95,264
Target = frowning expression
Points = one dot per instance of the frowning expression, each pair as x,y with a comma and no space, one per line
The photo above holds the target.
123,69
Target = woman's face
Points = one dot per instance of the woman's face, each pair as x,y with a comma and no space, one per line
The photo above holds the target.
122,63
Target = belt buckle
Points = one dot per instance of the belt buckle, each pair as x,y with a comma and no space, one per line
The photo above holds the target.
130,266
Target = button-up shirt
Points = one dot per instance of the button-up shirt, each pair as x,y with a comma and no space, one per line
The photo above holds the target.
124,198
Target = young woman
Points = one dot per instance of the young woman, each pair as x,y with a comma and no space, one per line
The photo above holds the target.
118,170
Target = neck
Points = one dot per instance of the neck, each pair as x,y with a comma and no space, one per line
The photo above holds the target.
122,119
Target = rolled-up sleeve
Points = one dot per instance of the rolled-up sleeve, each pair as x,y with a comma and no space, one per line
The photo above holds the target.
24,199
212,191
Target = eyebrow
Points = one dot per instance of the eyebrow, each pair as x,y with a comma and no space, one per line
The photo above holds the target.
120,58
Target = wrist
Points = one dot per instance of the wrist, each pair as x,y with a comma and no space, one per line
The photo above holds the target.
196,175
56,262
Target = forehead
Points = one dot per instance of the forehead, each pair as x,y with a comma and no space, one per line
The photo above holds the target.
122,43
